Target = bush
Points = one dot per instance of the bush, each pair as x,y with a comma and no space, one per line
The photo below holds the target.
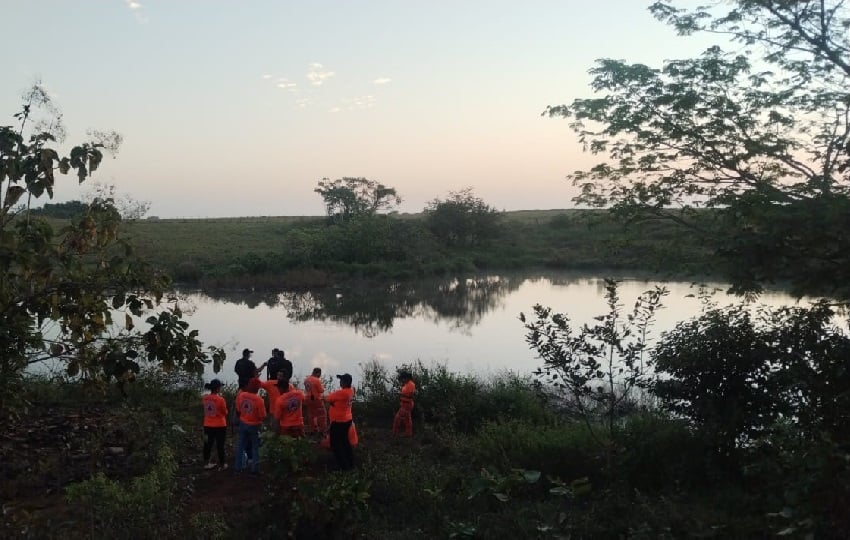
143,509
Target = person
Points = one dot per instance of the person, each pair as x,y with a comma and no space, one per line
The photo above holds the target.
215,424
245,368
341,417
317,416
272,392
404,417
252,412
278,362
289,408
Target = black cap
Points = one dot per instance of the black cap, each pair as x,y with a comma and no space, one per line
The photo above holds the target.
345,378
215,383
246,352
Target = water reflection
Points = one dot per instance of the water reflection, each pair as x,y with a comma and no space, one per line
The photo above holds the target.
372,309
469,324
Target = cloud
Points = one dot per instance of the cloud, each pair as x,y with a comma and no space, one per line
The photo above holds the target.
286,85
267,76
359,103
381,80
334,110
318,75
136,9
303,103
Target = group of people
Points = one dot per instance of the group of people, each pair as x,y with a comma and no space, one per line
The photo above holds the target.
292,412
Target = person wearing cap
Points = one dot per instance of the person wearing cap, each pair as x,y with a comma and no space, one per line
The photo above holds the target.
215,424
245,368
340,416
317,416
404,417
288,409
252,411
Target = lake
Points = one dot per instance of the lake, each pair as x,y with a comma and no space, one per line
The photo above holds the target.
471,325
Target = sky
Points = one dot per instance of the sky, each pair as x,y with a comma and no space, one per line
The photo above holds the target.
239,108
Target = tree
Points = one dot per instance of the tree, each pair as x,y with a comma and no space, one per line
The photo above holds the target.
597,366
760,136
77,295
350,198
128,207
462,219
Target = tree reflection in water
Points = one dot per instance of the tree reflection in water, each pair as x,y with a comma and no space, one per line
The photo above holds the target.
372,308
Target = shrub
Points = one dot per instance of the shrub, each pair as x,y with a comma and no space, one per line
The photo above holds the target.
143,509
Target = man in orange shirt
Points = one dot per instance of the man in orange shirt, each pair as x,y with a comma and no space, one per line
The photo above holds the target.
215,424
404,417
340,416
288,408
252,411
317,416
273,392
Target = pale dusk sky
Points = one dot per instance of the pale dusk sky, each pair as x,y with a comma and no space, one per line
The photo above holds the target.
239,108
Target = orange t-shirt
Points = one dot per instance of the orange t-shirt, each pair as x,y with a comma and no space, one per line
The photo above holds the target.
288,408
313,388
407,392
340,400
251,407
215,411
273,391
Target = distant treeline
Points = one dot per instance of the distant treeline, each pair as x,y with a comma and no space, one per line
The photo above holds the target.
63,210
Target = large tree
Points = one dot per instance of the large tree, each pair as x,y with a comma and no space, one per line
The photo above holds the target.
462,219
758,134
353,197
77,295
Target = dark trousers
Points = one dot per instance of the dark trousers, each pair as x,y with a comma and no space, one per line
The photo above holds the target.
340,445
214,435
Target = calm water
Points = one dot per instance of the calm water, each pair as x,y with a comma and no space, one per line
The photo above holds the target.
470,325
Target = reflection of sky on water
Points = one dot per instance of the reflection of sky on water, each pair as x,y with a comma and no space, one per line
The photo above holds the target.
478,331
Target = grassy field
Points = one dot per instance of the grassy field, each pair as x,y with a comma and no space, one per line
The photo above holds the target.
283,250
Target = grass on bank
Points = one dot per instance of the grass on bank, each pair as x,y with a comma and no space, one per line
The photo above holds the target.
489,459
308,251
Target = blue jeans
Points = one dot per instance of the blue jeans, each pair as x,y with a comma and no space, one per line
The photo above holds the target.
247,434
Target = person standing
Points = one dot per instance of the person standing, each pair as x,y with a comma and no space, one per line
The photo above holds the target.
317,416
289,408
276,363
246,369
340,415
404,417
215,424
252,411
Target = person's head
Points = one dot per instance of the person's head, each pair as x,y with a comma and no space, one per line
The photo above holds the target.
281,354
275,352
253,385
317,372
213,386
344,380
283,381
404,375
246,353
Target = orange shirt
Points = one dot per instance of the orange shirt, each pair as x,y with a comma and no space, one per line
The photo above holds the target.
407,392
340,400
272,390
251,407
215,411
288,408
313,388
